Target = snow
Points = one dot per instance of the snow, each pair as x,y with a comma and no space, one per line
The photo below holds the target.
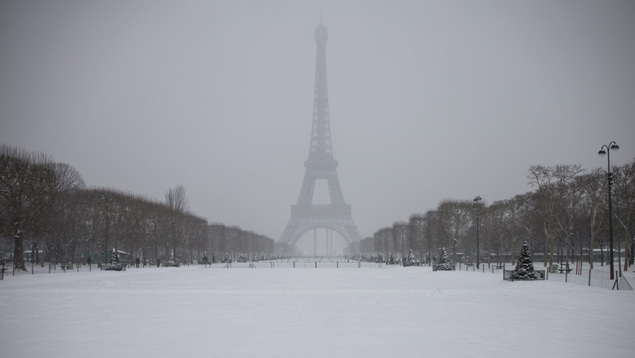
327,312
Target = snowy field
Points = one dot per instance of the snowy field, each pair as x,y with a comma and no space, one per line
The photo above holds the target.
347,312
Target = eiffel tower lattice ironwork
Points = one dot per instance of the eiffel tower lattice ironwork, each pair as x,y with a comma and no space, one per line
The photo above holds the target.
321,165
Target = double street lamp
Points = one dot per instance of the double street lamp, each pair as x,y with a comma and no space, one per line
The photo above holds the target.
606,150
478,246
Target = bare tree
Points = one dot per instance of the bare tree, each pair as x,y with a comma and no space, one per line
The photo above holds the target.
543,180
431,226
498,212
624,177
454,217
399,234
64,228
568,195
592,201
26,186
217,241
416,233
176,199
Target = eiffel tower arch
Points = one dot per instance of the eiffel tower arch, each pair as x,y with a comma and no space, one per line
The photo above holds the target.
321,165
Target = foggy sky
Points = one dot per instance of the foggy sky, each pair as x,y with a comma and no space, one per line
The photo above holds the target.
429,100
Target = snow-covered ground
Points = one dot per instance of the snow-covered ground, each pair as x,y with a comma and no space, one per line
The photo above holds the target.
347,312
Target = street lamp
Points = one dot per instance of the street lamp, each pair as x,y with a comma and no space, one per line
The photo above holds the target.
606,150
478,247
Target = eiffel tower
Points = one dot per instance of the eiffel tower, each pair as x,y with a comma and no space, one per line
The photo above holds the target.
306,216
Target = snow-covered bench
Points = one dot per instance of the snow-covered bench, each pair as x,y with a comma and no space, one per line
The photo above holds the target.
66,266
564,268
508,275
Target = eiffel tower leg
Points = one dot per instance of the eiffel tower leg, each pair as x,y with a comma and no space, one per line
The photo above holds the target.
331,241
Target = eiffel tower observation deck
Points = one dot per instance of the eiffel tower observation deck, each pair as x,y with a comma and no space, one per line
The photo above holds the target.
321,165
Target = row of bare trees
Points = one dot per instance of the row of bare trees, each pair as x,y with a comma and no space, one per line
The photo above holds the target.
32,187
230,243
563,218
47,205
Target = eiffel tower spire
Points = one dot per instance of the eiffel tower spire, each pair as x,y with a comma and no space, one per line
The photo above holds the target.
321,147
306,216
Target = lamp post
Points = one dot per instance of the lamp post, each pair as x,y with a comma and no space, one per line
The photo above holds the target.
478,246
606,150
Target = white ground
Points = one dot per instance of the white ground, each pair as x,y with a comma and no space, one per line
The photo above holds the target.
327,312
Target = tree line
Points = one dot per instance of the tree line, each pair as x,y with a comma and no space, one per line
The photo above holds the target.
47,211
563,218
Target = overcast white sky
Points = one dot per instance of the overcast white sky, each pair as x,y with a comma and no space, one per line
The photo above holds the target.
429,100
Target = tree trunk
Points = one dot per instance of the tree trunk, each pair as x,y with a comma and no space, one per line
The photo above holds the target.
619,255
65,253
100,253
489,245
546,246
551,253
601,254
43,252
567,246
591,244
625,255
18,252
131,255
86,253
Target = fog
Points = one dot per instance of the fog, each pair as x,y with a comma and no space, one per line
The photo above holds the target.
429,100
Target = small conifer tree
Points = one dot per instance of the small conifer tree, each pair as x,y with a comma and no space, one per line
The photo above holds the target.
412,261
524,268
172,262
205,260
114,264
444,263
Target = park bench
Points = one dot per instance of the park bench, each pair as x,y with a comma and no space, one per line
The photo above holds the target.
564,268
66,266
